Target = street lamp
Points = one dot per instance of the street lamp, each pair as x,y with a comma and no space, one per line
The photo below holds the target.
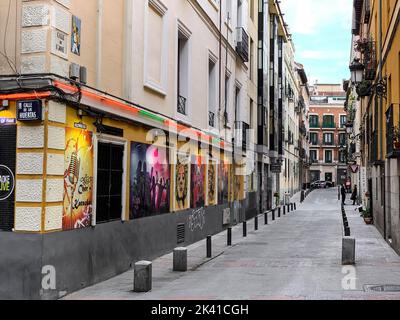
357,71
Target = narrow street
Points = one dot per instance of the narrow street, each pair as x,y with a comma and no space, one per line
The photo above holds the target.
298,256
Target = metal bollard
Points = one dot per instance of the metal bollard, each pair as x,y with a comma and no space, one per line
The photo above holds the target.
284,210
295,206
209,247
279,213
266,218
347,232
142,276
273,214
244,229
288,208
229,236
180,259
256,223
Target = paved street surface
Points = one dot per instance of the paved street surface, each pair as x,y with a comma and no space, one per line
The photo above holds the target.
296,257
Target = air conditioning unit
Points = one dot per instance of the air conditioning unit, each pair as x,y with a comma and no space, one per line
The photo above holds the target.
83,75
74,71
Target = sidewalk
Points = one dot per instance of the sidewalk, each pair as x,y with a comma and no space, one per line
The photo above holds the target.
298,256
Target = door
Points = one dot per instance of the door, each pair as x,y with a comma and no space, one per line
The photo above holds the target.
8,136
328,177
109,182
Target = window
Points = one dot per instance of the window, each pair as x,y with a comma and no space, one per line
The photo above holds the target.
227,90
329,121
342,139
109,182
343,121
252,10
251,62
228,10
183,71
314,121
314,138
314,156
328,139
342,157
328,156
239,13
212,91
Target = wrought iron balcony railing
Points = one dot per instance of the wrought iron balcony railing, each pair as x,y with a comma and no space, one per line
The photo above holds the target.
392,133
242,44
211,119
182,105
314,125
329,125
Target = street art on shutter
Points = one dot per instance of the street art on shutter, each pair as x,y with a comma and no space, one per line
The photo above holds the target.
78,179
182,182
150,181
198,177
212,184
223,183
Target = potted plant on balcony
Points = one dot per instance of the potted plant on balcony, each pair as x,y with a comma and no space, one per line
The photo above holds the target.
367,215
364,89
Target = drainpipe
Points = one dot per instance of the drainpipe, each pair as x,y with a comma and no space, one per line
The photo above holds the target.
99,42
380,37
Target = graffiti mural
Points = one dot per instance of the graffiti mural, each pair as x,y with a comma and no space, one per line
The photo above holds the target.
150,181
197,219
182,183
212,184
197,181
78,179
223,183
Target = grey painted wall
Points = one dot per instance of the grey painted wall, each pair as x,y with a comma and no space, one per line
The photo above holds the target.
84,257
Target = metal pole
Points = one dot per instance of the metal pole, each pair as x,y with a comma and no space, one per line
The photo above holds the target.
209,247
229,236
266,218
256,223
244,229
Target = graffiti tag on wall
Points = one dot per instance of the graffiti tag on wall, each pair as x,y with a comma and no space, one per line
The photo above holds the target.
197,219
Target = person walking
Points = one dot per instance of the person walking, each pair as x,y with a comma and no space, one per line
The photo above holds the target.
354,195
343,192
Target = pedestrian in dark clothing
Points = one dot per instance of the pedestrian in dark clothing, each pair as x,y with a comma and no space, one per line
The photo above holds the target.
354,195
343,192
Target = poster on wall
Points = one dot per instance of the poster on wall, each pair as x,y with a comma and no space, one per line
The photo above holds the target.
78,179
76,36
8,137
150,181
182,198
197,182
212,184
223,183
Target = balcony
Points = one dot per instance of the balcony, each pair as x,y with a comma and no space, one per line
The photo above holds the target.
367,48
182,105
314,125
242,44
211,119
392,133
329,125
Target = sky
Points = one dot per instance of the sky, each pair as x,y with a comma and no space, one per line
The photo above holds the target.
321,32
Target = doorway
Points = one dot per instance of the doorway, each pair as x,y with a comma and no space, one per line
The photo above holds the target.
328,177
110,181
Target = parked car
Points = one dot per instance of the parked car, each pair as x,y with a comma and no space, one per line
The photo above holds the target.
321,184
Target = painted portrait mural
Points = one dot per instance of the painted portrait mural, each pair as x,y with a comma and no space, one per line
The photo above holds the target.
150,181
182,198
78,179
212,184
197,183
223,183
